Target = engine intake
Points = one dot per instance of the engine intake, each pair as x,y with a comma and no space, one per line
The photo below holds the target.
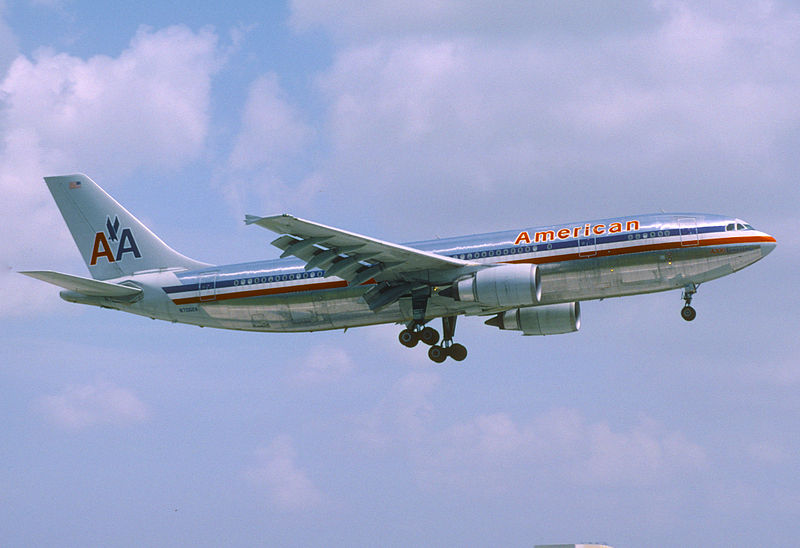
551,319
504,285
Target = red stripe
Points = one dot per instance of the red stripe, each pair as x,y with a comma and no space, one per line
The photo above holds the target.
538,260
263,292
642,248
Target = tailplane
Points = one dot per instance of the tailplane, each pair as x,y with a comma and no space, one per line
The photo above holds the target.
113,242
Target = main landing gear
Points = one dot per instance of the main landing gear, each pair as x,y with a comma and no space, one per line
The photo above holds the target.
687,312
415,333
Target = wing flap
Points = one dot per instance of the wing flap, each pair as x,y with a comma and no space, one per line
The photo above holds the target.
84,286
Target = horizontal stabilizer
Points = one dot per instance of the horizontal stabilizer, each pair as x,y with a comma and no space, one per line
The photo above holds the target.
84,286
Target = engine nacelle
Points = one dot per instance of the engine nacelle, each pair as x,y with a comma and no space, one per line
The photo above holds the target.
551,319
504,285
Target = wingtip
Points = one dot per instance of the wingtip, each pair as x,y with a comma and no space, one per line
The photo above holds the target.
250,219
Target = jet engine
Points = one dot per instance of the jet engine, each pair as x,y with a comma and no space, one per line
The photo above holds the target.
497,286
551,319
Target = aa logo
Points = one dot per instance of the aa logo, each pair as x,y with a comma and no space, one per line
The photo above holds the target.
125,243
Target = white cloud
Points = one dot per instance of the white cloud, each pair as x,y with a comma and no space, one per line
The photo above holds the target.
271,127
271,136
59,114
767,453
288,486
403,415
82,406
531,122
782,372
496,452
149,106
323,364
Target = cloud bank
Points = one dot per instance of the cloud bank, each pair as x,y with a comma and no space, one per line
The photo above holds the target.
78,407
147,107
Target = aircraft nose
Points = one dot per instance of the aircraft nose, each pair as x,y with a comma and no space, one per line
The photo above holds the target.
768,245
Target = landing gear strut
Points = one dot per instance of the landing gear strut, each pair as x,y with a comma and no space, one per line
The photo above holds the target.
687,312
415,333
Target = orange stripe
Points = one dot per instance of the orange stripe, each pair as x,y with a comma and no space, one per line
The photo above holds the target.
641,248
537,260
262,292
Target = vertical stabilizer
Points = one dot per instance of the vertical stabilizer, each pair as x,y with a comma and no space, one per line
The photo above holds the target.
113,242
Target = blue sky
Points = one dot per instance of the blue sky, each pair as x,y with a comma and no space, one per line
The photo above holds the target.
404,121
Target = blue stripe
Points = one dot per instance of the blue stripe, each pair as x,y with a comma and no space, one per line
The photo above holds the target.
236,280
226,280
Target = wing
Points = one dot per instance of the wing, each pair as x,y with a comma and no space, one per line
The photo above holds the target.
356,258
84,286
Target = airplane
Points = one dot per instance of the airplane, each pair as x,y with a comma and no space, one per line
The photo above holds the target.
531,280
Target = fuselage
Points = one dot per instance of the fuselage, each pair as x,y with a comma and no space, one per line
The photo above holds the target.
577,261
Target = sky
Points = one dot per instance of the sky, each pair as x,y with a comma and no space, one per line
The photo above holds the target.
405,121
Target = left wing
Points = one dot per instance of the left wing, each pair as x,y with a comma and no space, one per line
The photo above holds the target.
357,258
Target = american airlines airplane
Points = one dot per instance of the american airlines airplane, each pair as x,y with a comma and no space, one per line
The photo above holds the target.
529,280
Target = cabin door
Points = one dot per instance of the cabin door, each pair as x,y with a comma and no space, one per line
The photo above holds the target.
587,246
207,286
688,229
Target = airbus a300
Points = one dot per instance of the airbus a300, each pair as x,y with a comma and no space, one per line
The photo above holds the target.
529,280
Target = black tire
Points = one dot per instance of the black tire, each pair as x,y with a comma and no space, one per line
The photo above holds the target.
688,313
408,338
458,352
429,336
437,353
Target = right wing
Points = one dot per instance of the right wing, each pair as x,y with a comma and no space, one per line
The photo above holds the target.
350,256
84,286
397,269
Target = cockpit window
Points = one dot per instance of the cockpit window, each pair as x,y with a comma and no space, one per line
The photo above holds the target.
731,226
748,227
739,226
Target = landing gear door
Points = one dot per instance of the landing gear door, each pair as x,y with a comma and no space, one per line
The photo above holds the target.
688,229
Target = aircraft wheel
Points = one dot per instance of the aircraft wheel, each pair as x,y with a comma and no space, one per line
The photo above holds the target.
437,353
429,336
458,352
408,338
688,313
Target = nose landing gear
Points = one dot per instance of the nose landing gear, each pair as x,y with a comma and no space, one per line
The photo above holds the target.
687,312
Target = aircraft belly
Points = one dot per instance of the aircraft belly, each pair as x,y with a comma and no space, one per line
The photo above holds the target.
616,276
309,311
567,281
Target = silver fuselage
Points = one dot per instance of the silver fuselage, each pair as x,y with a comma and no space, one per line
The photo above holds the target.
577,261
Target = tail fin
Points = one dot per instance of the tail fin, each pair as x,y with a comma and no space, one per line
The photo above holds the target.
113,242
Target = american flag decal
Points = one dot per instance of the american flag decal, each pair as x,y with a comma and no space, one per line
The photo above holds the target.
75,184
